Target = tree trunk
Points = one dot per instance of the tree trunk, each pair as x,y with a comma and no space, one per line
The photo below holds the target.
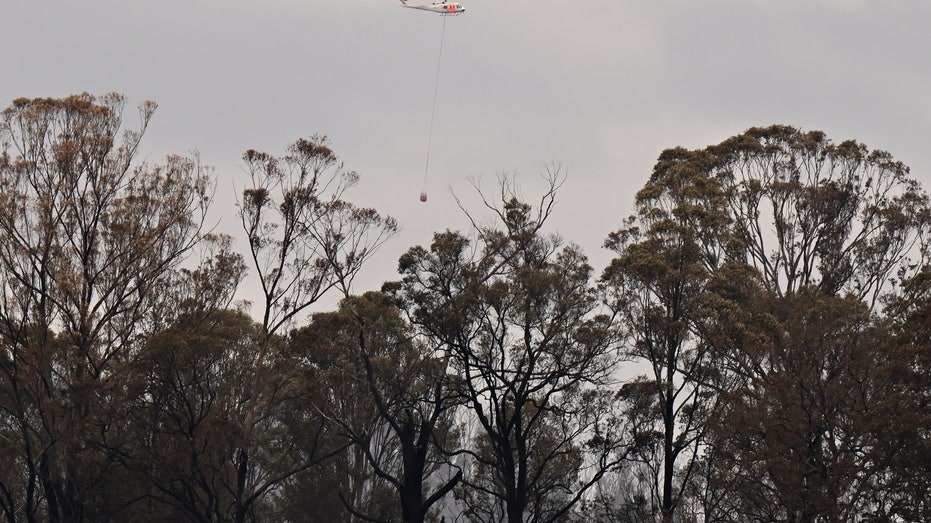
411,492
669,428
242,469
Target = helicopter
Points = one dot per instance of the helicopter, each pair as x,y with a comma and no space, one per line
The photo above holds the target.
443,8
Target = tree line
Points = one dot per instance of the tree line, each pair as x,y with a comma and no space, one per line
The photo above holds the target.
759,348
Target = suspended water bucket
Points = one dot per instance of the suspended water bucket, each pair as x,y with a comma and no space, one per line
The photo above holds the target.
423,196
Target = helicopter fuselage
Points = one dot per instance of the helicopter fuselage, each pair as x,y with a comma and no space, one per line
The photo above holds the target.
443,8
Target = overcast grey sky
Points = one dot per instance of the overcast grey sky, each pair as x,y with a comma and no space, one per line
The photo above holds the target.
599,87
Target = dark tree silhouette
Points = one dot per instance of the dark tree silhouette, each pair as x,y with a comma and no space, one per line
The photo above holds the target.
401,403
746,260
517,317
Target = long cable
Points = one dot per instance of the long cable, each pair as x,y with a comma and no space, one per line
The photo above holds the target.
436,88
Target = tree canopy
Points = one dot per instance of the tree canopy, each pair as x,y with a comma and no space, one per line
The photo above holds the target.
759,348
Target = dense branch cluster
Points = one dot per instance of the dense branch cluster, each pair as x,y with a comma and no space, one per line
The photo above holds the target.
758,350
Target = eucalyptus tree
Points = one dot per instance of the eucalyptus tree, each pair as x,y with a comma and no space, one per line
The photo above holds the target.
772,218
831,231
393,397
89,237
667,254
304,240
810,212
907,445
516,314
185,418
803,437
